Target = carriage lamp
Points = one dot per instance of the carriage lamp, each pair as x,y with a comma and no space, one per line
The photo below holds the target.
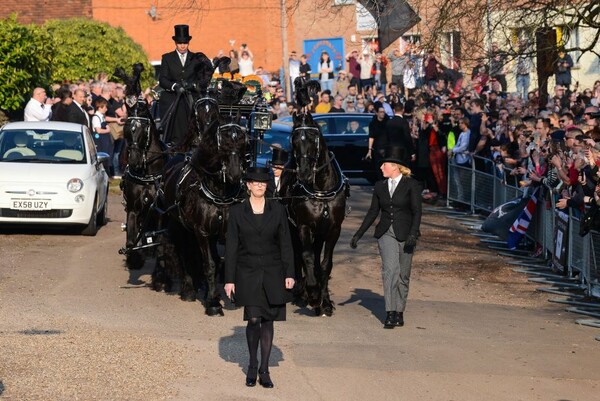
262,117
262,120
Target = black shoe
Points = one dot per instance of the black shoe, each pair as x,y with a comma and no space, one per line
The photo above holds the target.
251,377
399,319
390,321
265,380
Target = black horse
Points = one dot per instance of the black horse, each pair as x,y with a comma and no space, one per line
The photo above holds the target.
317,192
197,196
146,159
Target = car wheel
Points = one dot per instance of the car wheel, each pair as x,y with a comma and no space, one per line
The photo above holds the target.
102,219
92,228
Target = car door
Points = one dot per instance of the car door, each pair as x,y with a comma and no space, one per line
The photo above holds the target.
350,148
97,169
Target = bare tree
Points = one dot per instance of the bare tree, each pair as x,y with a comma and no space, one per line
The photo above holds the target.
479,22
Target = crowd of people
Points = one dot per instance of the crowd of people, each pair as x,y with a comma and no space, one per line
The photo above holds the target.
440,117
97,104
417,103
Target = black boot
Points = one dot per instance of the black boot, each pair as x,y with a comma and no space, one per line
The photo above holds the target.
399,319
390,320
264,379
251,377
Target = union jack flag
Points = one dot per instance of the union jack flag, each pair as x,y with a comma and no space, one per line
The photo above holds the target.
519,227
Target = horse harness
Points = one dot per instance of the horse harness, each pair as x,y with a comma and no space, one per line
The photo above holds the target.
220,201
306,191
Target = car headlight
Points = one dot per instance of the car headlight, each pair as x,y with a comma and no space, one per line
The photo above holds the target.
74,185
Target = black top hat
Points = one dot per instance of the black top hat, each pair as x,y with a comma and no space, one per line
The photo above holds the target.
182,34
279,157
395,154
257,174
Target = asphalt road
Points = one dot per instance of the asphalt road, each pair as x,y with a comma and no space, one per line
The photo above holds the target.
76,324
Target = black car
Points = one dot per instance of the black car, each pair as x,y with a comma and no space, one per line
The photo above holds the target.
346,134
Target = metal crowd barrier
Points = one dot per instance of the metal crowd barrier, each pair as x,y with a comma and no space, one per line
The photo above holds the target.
483,187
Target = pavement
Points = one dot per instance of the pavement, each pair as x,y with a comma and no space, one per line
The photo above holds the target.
76,324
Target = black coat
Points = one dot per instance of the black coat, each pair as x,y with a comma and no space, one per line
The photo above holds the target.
195,74
272,190
377,131
402,211
423,145
258,257
77,116
60,112
398,134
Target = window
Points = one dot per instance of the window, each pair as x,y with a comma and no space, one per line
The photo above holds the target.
569,38
342,2
409,42
450,49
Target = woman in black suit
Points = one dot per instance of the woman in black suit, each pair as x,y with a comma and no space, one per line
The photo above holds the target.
398,198
259,268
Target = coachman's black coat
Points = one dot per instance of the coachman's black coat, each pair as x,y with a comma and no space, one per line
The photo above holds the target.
259,257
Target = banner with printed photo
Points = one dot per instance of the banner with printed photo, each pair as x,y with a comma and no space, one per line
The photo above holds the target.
561,241
333,46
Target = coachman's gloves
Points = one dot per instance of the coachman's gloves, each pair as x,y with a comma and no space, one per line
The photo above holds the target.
410,243
178,88
354,242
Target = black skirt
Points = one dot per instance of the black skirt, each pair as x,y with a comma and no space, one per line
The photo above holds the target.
263,309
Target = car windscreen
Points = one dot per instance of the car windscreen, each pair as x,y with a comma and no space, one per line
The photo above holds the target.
275,137
42,146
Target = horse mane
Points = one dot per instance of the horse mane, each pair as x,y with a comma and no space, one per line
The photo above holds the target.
205,156
132,82
305,90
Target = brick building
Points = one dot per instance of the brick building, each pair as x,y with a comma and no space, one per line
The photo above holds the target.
255,22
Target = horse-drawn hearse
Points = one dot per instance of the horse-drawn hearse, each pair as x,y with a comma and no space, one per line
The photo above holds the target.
177,199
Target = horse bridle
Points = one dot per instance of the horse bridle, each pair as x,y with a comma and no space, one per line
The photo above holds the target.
208,103
313,160
235,130
136,122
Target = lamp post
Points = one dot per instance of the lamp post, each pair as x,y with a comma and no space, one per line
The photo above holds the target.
285,52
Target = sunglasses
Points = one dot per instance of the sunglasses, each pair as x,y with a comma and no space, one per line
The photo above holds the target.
562,121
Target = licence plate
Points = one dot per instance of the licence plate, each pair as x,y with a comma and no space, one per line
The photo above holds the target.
31,204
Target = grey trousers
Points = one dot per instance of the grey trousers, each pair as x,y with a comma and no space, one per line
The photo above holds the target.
395,269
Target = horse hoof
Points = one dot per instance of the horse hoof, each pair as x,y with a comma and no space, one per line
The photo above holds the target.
188,296
158,287
214,311
328,311
318,311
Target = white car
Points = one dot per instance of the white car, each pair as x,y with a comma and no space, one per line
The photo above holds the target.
51,174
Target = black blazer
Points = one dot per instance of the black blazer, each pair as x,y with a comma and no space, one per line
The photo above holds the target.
197,69
402,211
398,134
272,190
259,257
76,115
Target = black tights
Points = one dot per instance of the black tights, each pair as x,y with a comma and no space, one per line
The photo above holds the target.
259,329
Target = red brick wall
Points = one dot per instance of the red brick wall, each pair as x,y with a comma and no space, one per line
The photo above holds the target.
38,12
255,22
